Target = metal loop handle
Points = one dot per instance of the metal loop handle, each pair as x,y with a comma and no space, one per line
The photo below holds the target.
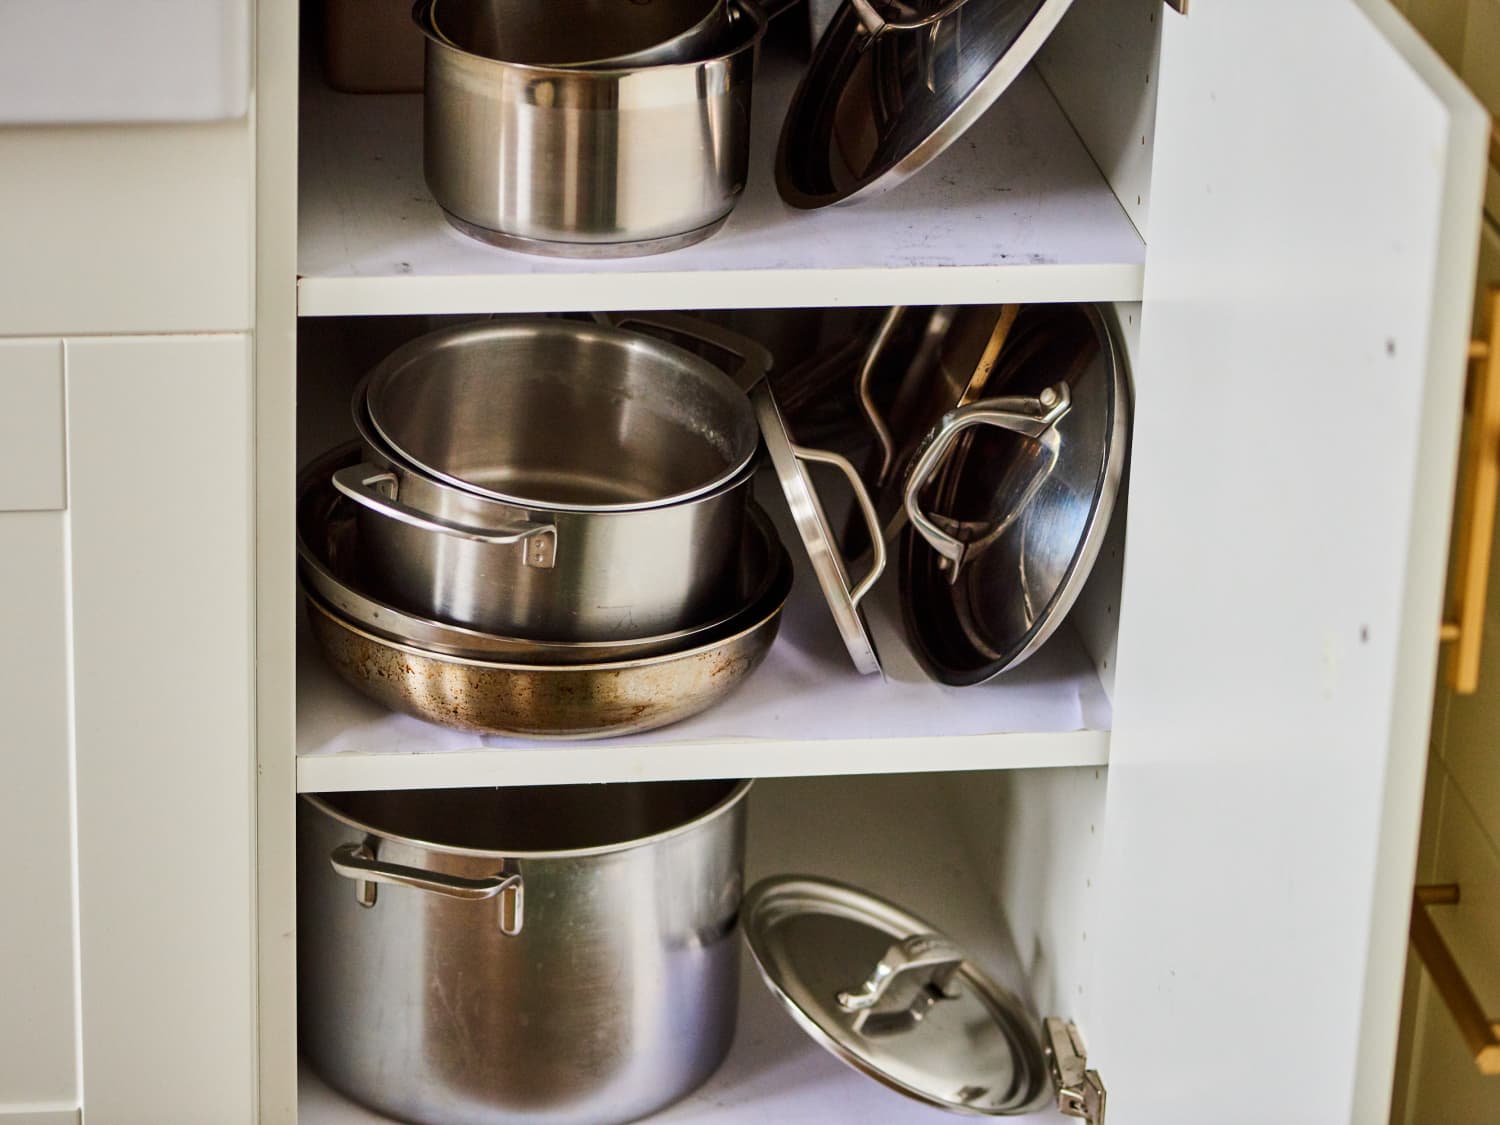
754,358
1031,417
866,508
931,954
872,358
358,862
358,483
875,24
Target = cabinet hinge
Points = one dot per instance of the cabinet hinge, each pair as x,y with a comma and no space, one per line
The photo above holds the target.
1080,1091
1178,6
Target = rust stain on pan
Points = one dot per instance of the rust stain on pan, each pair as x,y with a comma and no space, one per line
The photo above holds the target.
541,702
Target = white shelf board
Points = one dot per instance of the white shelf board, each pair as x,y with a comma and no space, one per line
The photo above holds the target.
1015,211
804,712
893,836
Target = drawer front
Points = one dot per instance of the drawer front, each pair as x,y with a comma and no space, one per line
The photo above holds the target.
33,473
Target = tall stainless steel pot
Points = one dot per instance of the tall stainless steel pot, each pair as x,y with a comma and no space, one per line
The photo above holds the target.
595,33
535,956
555,479
577,162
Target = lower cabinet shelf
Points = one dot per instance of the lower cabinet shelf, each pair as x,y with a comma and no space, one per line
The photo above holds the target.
931,843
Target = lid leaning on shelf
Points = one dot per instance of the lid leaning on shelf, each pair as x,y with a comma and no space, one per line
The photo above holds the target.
897,1000
883,96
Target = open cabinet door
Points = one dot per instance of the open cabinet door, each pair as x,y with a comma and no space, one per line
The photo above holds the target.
1314,216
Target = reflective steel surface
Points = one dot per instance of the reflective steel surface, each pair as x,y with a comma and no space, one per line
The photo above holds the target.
638,454
893,998
591,163
614,995
874,108
328,565
1028,512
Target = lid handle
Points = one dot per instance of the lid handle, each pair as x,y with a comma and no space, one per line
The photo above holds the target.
1032,417
923,966
876,24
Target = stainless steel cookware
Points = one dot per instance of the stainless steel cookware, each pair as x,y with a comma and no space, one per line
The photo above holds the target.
554,480
531,700
582,32
584,162
328,565
531,956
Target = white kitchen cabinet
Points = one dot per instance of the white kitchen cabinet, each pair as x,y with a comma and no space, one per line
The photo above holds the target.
1212,876
1208,870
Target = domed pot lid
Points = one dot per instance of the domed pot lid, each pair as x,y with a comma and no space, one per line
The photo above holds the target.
892,83
882,990
1010,496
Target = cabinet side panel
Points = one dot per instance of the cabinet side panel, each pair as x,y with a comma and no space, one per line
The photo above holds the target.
1302,354
160,491
1101,65
38,986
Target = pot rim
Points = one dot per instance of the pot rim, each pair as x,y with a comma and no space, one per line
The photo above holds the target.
720,808
455,335
421,14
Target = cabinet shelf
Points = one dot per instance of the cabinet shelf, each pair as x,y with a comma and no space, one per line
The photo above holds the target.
1015,211
804,712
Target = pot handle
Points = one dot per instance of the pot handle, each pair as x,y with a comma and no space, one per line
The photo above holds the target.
1032,417
867,403
754,358
358,862
875,24
358,483
866,508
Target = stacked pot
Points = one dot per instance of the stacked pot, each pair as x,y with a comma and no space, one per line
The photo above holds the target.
546,529
586,128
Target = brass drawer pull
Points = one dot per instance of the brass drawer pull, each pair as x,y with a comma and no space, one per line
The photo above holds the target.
1480,487
1481,1033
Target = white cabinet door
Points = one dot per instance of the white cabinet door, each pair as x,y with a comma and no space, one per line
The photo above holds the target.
38,977
160,498
1315,205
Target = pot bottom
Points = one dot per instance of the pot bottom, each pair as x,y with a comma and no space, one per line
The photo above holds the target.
549,248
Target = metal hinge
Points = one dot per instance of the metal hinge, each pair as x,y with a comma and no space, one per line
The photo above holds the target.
1080,1091
1178,6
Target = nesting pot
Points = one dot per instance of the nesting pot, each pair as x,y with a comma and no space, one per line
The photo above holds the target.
553,480
582,32
589,162
540,956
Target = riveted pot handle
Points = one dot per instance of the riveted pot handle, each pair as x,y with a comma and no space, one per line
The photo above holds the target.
866,508
359,483
1032,417
753,360
358,862
876,24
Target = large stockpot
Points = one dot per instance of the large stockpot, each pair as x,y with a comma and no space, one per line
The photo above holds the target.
531,956
554,479
578,162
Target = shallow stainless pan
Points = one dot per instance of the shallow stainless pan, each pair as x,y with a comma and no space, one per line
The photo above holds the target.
328,558
538,701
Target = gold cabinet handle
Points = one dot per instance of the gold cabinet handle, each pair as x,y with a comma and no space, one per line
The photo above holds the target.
1480,487
1481,1033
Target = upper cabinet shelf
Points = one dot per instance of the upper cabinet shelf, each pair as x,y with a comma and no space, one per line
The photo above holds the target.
1015,211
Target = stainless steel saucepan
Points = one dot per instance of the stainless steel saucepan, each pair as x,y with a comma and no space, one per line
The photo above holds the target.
589,162
555,480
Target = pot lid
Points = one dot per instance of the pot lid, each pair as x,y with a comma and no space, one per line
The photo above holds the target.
893,998
790,461
1010,496
883,96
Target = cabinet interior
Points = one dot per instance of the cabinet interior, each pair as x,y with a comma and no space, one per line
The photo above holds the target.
995,837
